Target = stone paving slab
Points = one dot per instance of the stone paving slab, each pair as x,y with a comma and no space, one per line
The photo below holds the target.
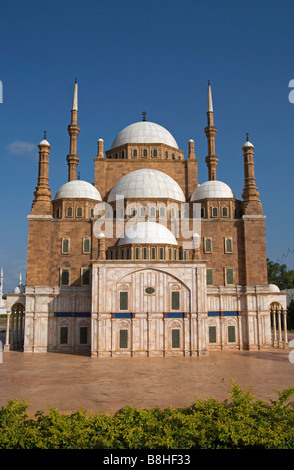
69,382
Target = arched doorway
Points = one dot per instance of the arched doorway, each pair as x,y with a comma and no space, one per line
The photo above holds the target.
15,331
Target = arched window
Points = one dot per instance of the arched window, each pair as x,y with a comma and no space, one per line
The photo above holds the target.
65,277
65,245
214,211
152,211
225,212
79,212
228,245
69,212
162,212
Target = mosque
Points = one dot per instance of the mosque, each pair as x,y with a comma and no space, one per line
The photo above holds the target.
146,261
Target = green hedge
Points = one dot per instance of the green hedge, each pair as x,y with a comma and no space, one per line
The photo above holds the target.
240,421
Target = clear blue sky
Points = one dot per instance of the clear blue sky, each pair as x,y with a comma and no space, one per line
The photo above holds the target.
154,56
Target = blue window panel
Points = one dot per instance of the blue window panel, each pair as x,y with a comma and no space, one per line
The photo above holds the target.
122,315
174,315
226,314
83,314
64,314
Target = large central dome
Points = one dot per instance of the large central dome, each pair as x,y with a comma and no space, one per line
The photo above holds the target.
147,232
144,132
147,183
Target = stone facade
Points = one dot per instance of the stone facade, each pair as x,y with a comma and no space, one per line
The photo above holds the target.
87,292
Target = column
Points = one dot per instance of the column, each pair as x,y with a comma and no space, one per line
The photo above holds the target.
21,326
280,327
16,328
113,349
7,345
285,327
148,320
164,337
274,327
186,336
132,335
222,330
240,331
12,330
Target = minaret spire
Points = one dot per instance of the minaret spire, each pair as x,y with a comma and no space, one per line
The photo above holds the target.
73,130
250,195
209,99
210,131
75,97
42,204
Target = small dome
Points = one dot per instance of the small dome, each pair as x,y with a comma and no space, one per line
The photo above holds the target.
213,190
78,189
144,132
273,288
148,232
19,289
148,184
44,143
248,144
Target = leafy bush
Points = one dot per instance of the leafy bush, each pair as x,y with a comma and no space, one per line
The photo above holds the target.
241,421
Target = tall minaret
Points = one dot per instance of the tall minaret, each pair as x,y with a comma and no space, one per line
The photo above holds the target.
2,301
73,130
1,285
250,195
210,131
42,204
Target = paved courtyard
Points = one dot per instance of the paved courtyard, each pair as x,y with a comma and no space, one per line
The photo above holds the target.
68,382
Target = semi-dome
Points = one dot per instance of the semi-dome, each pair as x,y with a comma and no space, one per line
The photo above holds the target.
213,190
147,184
273,288
78,189
144,132
148,232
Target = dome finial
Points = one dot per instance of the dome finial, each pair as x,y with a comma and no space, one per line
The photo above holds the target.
45,134
144,116
247,137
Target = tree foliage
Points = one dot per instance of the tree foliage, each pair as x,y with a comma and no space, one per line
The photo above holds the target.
280,275
240,421
283,277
